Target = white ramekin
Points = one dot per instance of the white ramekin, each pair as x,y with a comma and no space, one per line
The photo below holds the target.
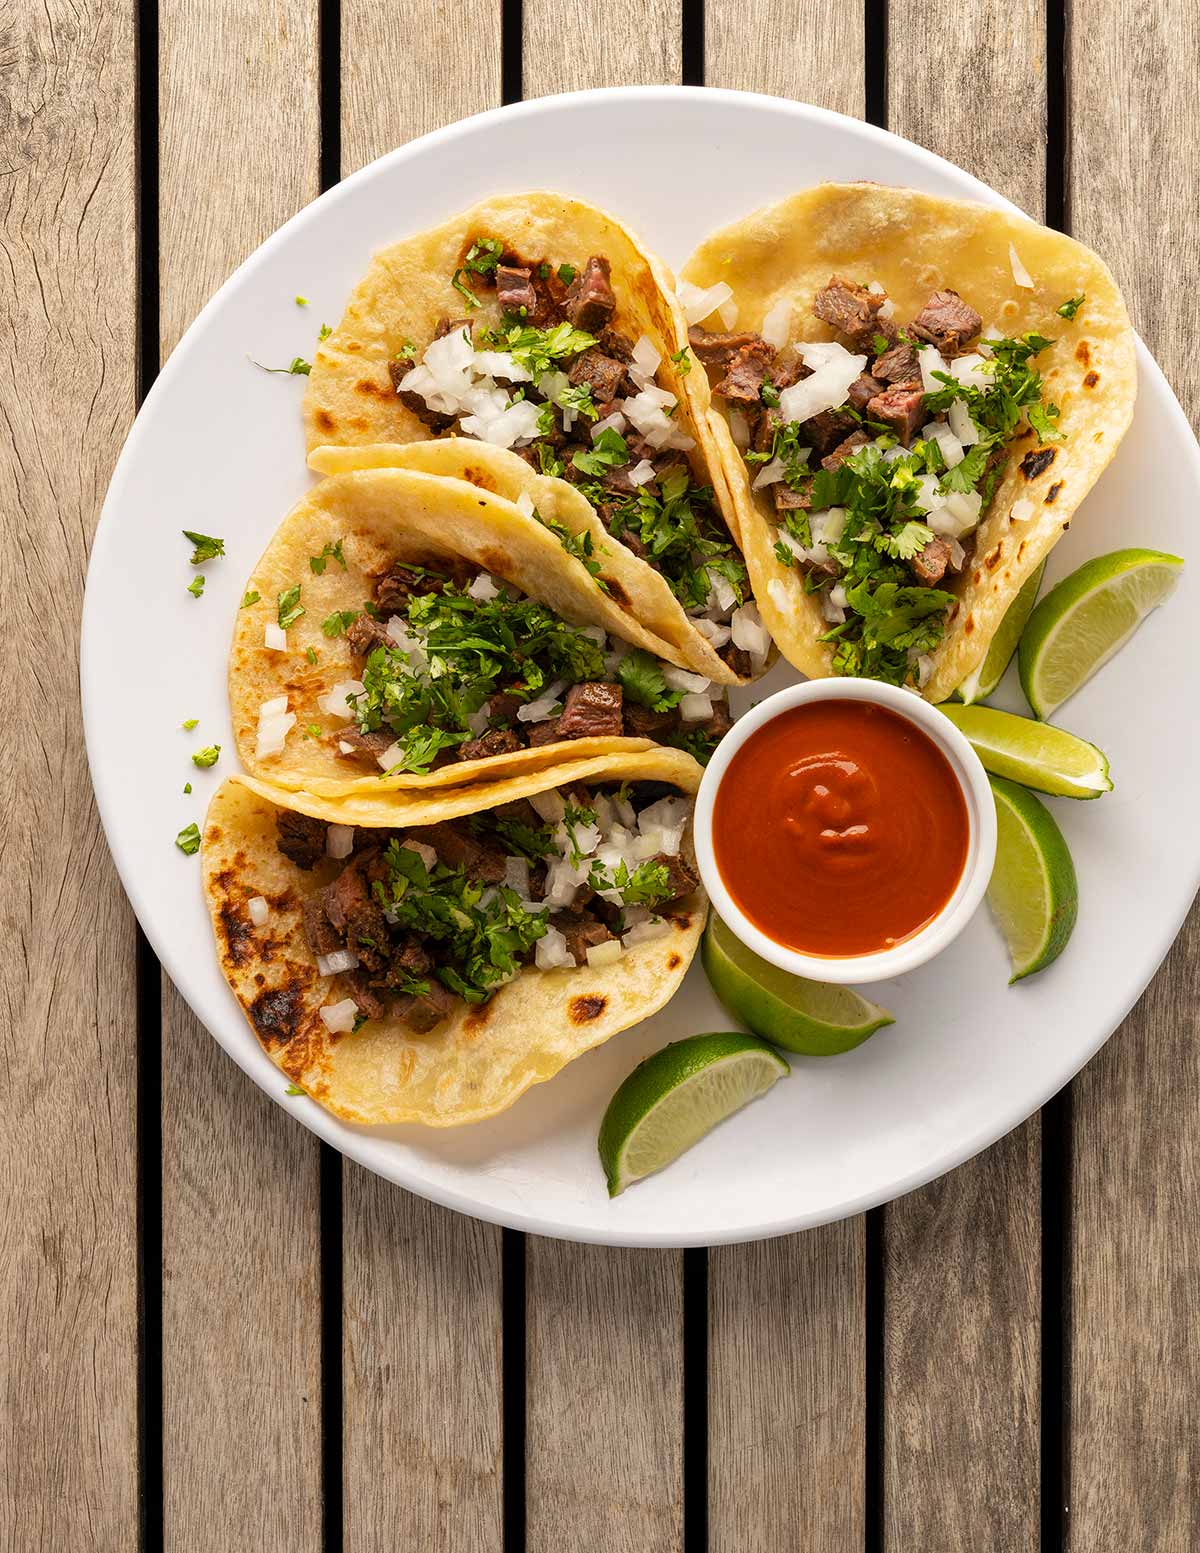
981,843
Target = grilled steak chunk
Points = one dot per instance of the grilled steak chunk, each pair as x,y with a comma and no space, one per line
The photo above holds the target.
394,589
930,566
901,408
642,723
747,372
373,743
850,308
581,933
789,499
424,1013
590,302
842,452
370,1004
947,322
863,389
898,364
497,741
547,732
823,431
356,914
681,876
717,350
602,374
320,934
513,290
737,659
300,838
447,326
592,709
502,707
411,400
365,634
719,724
475,856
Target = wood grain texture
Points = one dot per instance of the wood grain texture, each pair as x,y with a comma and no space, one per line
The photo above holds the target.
570,48
1135,1266
68,1209
422,1286
787,1405
239,151
810,50
962,1404
422,1395
604,1466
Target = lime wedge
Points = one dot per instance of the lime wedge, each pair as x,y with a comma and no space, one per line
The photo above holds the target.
1033,892
980,685
802,1016
675,1097
1032,753
1087,618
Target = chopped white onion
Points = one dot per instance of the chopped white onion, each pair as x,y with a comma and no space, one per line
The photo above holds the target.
274,707
484,586
739,428
886,309
551,952
274,637
646,932
346,749
969,370
683,679
428,855
604,954
668,813
274,721
930,361
562,881
1019,273
769,474
339,841
790,542
749,633
336,702
542,709
392,756
613,422
337,962
478,720
834,369
596,633
641,474
258,909
699,302
586,839
720,594
961,424
728,314
645,360
957,556
927,497
647,412
524,504
718,635
1021,509
965,506
777,325
549,805
340,1017
835,614
924,668
837,596
951,448
695,708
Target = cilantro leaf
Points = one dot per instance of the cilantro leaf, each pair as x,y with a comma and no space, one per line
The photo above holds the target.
196,586
968,472
190,723
289,608
1071,306
578,546
250,597
318,563
207,547
906,542
188,839
566,273
683,360
609,451
297,367
207,756
642,680
337,623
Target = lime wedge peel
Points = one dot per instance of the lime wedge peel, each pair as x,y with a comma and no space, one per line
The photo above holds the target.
1087,618
1032,753
811,1017
1033,893
979,685
675,1097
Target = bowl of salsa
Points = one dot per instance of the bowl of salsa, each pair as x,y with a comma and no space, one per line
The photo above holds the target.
845,830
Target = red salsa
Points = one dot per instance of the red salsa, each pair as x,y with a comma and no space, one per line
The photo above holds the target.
840,828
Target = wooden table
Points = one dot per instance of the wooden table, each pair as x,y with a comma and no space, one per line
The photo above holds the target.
216,1336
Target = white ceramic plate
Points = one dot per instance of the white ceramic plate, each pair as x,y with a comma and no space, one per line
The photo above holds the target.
218,448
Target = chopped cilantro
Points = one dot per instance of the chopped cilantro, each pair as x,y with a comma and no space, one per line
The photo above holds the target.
297,367
289,608
318,563
524,840
682,535
642,680
207,548
697,741
573,818
879,344
543,271
187,787
405,351
538,349
1071,306
906,541
337,623
769,394
311,654
196,586
646,885
548,460
567,273
250,597
190,723
207,756
577,545
301,301
188,839
324,332
482,259
313,730
683,360
609,451
295,1089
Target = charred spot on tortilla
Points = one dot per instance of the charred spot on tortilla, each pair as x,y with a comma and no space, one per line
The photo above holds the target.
1037,462
1051,495
992,559
586,1007
478,1016
494,561
616,592
683,921
371,390
238,933
324,421
278,1015
1091,379
477,477
674,961
1021,550
1083,353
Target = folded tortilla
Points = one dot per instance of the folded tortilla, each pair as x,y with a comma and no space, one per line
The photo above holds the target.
484,1056
381,518
911,244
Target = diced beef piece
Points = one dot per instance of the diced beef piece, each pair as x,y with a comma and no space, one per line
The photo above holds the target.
300,838
823,431
947,322
719,724
370,1004
850,308
394,589
601,373
763,437
842,452
321,935
681,876
898,364
737,659
743,381
513,291
406,961
357,915
537,881
592,710
614,343
616,482
581,933
411,400
590,302
547,732
628,536
423,1014
788,371
502,707
863,389
496,741
642,723
789,499
521,810
717,350
365,634
373,743
930,566
447,326
901,408
475,856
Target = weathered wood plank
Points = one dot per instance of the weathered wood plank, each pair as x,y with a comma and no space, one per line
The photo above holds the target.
239,135
963,1256
605,1398
68,1211
422,1297
568,49
1134,1364
787,1415
811,50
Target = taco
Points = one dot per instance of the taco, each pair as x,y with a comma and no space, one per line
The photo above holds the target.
912,396
403,630
536,326
431,959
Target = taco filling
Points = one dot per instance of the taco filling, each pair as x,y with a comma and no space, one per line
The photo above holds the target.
539,364
419,922
880,453
455,664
